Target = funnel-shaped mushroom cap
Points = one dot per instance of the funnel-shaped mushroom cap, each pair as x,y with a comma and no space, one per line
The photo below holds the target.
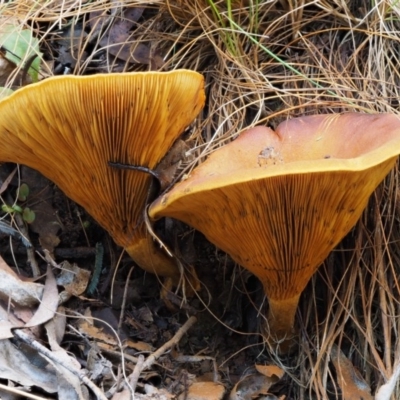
278,202
70,127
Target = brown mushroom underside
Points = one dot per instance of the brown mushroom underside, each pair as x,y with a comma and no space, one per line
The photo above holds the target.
281,228
69,127
279,202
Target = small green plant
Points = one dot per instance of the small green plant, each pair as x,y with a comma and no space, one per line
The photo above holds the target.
26,213
23,192
223,13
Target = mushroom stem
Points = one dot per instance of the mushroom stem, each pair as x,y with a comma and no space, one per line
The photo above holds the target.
148,256
281,317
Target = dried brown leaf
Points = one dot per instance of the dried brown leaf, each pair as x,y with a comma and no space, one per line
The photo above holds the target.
56,327
139,346
20,292
73,278
252,386
204,391
48,304
68,384
70,46
270,371
5,329
349,379
18,367
119,40
87,327
8,321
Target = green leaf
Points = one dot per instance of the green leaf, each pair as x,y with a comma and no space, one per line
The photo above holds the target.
11,209
21,47
23,192
28,215
7,209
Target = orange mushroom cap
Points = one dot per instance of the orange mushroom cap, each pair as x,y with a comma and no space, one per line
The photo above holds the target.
279,202
70,127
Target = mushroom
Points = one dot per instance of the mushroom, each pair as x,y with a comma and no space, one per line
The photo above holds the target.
69,128
279,202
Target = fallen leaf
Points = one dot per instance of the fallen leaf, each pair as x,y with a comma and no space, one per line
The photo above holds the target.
107,320
270,371
17,367
21,48
349,379
8,321
87,327
58,325
107,340
204,391
139,346
70,46
68,384
20,292
253,385
48,304
73,279
23,313
120,42
5,329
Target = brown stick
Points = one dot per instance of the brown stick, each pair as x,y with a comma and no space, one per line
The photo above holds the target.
166,346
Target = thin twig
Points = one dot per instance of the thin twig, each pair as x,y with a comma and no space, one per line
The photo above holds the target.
166,346
134,377
19,392
122,313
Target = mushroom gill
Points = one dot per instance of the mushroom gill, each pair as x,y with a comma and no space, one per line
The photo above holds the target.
279,202
69,128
